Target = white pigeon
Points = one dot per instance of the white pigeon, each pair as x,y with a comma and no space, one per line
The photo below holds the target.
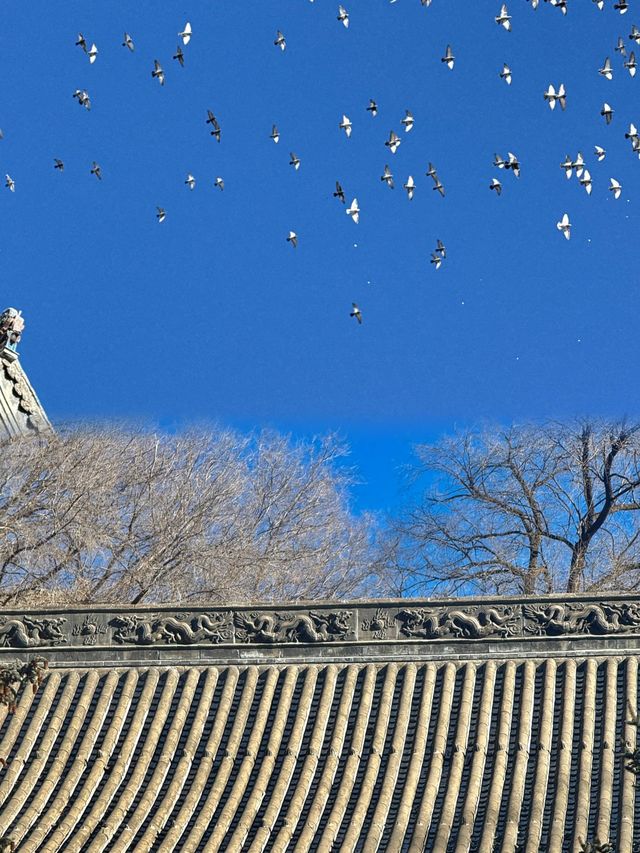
158,72
620,47
10,183
606,69
407,121
82,42
373,107
504,17
394,141
436,260
294,161
185,35
622,6
560,4
607,112
448,57
498,161
387,177
505,74
354,211
161,214
441,248
190,182
600,153
92,53
293,239
632,133
599,4
128,42
356,312
495,185
578,164
634,35
345,125
615,187
585,181
83,98
280,41
219,182
565,226
562,96
550,96
343,16
410,187
567,165
513,164
275,134
630,64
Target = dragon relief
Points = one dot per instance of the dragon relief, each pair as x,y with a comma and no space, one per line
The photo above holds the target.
147,630
293,627
436,623
602,618
27,633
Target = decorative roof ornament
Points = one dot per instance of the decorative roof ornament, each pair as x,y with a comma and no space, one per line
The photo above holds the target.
11,328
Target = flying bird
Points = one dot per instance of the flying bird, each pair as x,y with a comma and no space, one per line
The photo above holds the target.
96,170
630,64
585,181
448,57
179,55
343,16
10,183
280,41
622,6
293,239
339,193
551,96
410,187
82,42
58,164
356,312
185,35
345,125
615,187
219,182
431,172
606,70
438,186
560,4
387,177
565,226
83,98
620,47
92,53
578,164
504,17
161,214
505,74
407,121
600,153
158,72
513,164
394,142
607,112
436,260
294,161
190,181
275,134
441,248
372,108
634,35
632,133
128,42
354,211
567,165
213,121
495,185
599,4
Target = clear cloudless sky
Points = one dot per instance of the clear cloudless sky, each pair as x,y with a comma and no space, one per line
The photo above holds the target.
212,315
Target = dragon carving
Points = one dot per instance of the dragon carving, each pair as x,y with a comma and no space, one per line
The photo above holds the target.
602,618
26,632
433,624
145,631
292,628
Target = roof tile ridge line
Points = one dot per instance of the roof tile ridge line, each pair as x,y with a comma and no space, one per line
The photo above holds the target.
470,807
519,775
607,761
398,743
114,765
41,413
247,764
326,779
374,759
258,793
425,812
583,793
625,840
54,722
110,826
66,824
49,820
56,770
543,761
219,782
556,832
345,788
461,746
195,792
18,717
494,799
17,763
310,766
405,807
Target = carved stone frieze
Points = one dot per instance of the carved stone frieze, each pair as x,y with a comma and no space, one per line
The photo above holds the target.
463,623
308,627
90,631
603,618
182,630
378,625
28,632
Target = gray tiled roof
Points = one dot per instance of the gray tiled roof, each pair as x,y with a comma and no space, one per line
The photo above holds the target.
20,409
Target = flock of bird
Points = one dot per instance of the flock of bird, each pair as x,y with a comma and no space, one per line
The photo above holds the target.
555,94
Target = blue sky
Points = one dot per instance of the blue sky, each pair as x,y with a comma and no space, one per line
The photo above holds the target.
212,315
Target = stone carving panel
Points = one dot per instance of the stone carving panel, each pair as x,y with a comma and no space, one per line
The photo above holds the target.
308,627
556,619
379,625
29,632
90,631
473,623
180,630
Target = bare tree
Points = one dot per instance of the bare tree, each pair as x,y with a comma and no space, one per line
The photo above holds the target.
533,508
110,515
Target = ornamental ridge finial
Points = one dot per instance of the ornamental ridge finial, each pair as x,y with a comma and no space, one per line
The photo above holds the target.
11,328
